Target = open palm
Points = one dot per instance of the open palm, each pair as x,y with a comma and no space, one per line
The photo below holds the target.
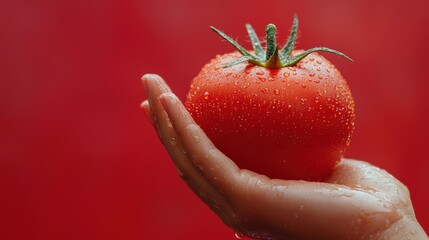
359,201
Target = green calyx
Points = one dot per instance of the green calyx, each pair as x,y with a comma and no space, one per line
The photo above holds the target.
272,57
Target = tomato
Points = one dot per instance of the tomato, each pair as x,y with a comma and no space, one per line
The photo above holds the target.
288,121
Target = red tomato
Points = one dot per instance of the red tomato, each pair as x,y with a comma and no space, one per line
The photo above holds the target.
289,122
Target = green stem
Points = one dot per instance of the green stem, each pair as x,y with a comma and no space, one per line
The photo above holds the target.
274,61
271,40
272,58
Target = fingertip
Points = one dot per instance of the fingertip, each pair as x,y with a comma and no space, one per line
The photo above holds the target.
147,76
169,103
151,77
146,109
167,99
153,83
176,111
144,82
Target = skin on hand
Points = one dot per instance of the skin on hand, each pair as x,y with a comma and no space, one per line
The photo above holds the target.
359,201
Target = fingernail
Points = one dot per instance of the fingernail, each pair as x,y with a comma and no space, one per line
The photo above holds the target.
145,78
167,100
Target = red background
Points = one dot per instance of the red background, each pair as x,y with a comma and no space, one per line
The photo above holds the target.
79,161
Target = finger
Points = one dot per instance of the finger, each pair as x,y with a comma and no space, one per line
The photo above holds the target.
153,90
327,209
360,174
364,176
146,109
213,163
156,86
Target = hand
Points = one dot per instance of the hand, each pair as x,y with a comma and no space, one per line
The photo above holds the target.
359,201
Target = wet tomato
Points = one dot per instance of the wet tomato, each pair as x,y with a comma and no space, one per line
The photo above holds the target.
285,113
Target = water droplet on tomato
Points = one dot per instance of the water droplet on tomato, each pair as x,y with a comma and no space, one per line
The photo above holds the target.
320,77
304,86
260,72
319,62
235,76
264,90
276,91
206,95
286,74
311,59
303,100
316,100
311,74
262,79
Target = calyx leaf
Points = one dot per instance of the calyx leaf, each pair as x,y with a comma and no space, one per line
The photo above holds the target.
271,57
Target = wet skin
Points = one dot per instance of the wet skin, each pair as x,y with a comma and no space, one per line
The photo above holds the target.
359,201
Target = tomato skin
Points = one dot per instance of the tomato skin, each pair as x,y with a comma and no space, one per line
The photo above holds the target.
287,123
